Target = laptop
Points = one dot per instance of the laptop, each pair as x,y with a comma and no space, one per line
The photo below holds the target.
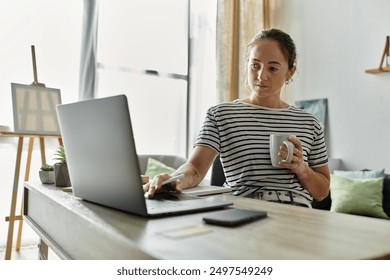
103,162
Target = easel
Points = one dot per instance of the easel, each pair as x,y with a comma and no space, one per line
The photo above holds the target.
12,217
385,55
35,83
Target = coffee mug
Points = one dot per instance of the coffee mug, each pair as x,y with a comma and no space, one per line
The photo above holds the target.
277,140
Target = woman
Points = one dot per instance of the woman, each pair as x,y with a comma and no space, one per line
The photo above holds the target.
239,132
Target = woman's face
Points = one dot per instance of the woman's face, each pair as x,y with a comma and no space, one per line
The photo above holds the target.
267,69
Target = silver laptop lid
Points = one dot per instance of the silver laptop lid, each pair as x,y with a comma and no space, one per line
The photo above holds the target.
96,133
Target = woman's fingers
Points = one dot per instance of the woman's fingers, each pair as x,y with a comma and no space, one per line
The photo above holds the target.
156,185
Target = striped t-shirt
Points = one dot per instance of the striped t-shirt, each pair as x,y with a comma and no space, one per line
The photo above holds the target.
240,133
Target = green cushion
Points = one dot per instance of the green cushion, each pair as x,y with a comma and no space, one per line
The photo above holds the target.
155,167
357,196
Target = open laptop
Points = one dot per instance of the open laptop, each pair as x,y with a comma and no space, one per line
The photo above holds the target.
103,162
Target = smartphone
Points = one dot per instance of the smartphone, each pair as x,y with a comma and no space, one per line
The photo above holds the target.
233,217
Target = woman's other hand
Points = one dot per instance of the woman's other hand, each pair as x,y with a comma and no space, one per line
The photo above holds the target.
297,163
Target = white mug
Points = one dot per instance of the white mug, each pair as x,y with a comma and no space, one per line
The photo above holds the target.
275,141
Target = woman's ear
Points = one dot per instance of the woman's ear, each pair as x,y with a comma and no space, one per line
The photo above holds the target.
290,73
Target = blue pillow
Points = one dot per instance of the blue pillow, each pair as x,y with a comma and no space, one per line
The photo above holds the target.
363,174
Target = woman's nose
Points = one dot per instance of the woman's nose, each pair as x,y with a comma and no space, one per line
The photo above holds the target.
261,75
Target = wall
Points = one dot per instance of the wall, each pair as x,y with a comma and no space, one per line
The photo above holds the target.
336,42
54,28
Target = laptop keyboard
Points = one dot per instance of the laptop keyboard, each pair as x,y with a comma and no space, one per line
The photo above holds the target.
168,201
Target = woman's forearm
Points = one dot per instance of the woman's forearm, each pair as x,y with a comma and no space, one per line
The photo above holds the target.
196,167
315,181
192,176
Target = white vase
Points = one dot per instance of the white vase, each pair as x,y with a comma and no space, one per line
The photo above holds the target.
47,177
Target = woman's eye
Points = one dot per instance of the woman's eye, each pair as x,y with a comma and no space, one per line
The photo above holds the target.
273,69
255,66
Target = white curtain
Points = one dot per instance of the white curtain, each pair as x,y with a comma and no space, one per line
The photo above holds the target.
237,22
88,77
202,63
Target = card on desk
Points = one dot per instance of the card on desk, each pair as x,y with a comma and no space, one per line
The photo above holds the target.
233,217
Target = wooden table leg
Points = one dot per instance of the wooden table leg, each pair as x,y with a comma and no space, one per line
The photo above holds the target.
14,200
43,250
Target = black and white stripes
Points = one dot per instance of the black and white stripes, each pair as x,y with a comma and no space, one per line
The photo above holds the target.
240,133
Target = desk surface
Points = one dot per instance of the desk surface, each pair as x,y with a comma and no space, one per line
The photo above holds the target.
77,229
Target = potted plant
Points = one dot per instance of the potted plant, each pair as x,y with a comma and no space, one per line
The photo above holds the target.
61,168
46,174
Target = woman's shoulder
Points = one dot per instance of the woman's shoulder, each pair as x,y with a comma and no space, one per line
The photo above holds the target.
301,113
228,105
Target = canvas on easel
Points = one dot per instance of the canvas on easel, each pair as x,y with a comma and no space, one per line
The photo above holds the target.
34,106
34,109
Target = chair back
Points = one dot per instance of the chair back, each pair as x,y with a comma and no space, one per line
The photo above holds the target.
217,174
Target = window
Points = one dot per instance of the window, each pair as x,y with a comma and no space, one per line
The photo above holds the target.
143,53
54,28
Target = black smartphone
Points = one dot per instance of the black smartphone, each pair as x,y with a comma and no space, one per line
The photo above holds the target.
233,217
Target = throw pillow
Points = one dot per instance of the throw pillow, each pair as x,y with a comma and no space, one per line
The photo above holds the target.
155,167
357,196
363,174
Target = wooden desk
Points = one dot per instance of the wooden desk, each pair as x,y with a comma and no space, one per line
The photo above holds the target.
76,229
12,217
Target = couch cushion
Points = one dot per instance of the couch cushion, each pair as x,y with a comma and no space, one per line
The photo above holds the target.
361,174
357,196
367,173
155,167
169,160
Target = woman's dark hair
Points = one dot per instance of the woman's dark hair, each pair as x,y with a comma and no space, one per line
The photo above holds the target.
285,42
